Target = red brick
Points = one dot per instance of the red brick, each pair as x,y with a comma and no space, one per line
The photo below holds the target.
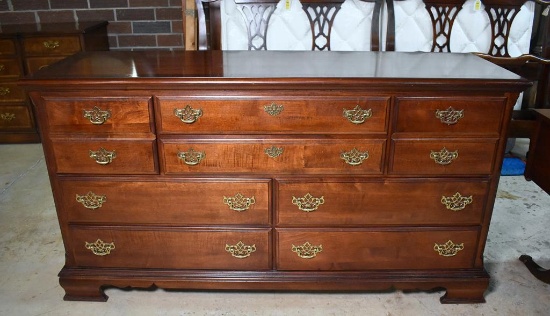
17,18
56,16
113,42
173,40
102,4
21,5
175,3
137,41
147,3
119,27
169,14
95,15
64,4
177,26
135,14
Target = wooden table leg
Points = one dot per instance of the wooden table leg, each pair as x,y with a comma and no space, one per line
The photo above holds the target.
539,272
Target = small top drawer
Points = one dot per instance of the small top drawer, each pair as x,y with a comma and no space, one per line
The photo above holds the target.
446,116
99,115
7,47
9,68
312,114
51,45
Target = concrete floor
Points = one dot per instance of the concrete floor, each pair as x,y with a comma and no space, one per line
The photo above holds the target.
31,255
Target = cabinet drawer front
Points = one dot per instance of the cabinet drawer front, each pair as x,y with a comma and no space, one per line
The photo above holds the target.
179,202
305,156
9,68
257,115
301,203
51,45
7,47
366,250
170,249
15,117
11,92
443,116
99,115
443,157
37,63
105,156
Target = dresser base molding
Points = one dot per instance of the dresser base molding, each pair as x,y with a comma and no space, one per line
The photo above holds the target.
462,286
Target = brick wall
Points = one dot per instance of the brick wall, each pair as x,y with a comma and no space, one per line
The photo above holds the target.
133,24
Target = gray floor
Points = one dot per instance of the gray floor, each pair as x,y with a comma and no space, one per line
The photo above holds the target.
31,255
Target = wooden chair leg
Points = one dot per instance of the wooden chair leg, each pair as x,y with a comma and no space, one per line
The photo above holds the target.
539,272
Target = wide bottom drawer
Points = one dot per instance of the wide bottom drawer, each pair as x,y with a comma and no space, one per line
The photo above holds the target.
366,250
238,249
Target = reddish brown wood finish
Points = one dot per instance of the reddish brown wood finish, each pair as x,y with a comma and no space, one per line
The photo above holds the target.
381,220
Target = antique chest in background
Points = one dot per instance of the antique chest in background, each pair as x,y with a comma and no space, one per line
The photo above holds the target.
274,170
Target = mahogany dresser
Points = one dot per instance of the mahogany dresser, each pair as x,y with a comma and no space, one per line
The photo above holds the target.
25,48
332,171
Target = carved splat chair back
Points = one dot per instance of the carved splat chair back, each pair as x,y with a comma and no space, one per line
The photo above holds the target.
289,24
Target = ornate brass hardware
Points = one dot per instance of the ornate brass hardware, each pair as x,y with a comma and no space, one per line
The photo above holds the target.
96,115
100,248
188,115
191,157
240,250
7,116
51,44
308,203
103,156
355,157
307,250
239,202
456,202
274,109
448,249
2,67
444,157
91,200
274,152
4,90
357,115
449,116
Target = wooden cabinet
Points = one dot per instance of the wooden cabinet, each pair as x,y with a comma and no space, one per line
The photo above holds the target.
169,169
25,49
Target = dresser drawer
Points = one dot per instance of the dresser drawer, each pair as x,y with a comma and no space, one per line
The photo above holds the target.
327,114
367,250
178,202
7,47
15,117
442,157
36,63
303,156
51,45
450,116
9,68
104,156
245,249
339,202
11,92
74,114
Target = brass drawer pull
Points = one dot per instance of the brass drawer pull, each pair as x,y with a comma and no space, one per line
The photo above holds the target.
239,202
96,115
240,250
191,157
448,249
100,248
2,67
357,115
443,157
274,109
355,157
308,203
188,115
274,152
103,156
51,44
456,202
4,91
307,250
91,200
7,116
449,116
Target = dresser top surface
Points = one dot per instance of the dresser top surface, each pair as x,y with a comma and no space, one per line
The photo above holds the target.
283,67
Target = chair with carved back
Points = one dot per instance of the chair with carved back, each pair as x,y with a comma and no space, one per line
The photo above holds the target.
256,16
529,59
